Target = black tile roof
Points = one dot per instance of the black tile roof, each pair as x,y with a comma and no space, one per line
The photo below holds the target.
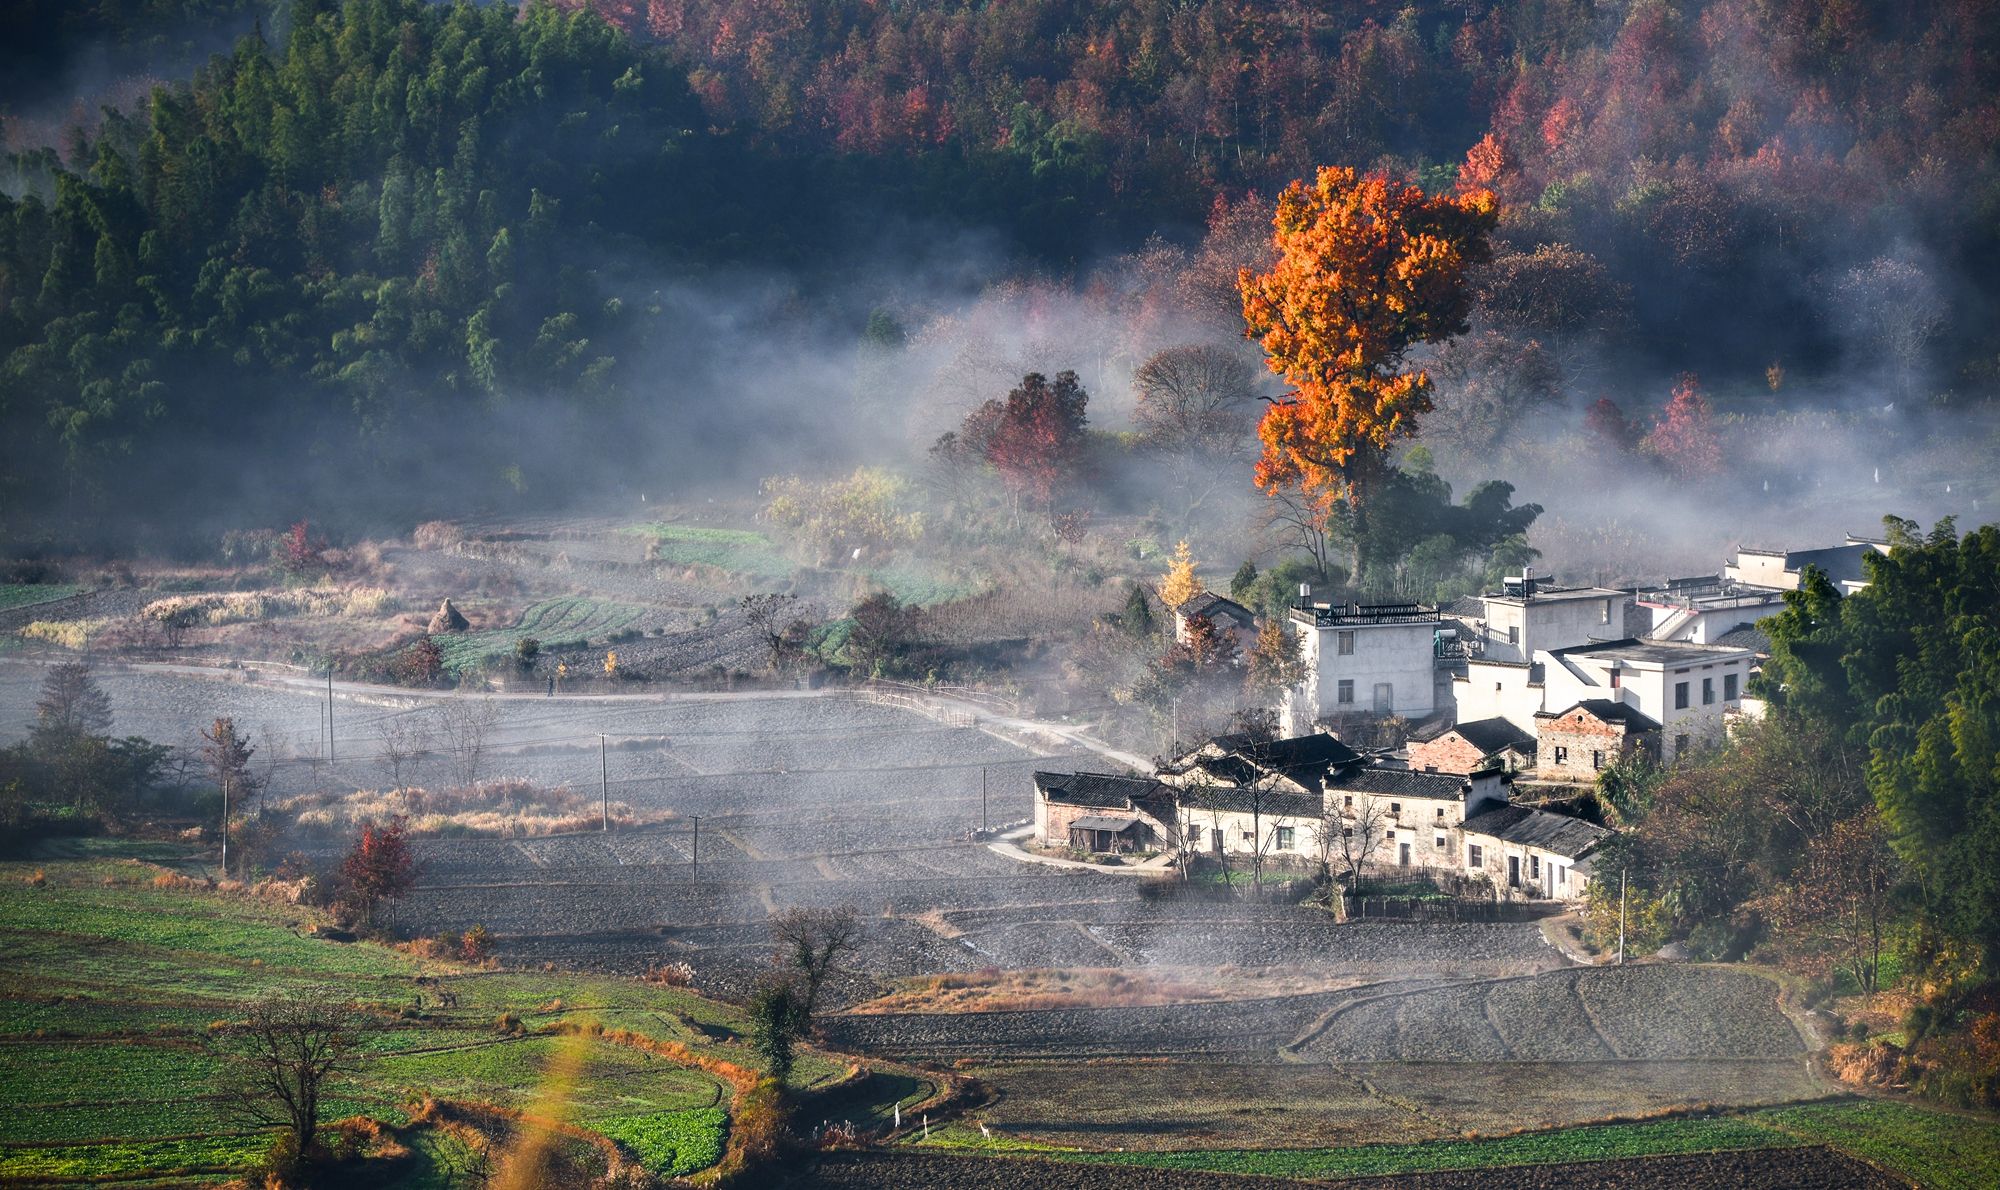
1099,789
1269,802
1746,636
1609,712
1209,604
1494,735
1526,826
1398,783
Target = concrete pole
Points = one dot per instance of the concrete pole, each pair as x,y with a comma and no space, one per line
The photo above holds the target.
1621,917
604,781
697,849
329,710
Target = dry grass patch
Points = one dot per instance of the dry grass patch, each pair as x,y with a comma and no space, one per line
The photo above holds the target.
507,809
1091,987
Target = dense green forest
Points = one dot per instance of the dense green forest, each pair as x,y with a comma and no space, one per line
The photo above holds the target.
386,248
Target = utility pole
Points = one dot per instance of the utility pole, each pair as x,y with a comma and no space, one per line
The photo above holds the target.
982,797
1621,917
225,826
697,849
604,781
329,710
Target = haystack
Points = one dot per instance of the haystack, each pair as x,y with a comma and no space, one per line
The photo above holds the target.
448,619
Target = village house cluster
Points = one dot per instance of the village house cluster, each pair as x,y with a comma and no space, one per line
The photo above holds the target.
1537,687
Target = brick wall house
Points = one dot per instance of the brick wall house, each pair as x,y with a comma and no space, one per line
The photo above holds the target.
1464,747
1577,743
1105,812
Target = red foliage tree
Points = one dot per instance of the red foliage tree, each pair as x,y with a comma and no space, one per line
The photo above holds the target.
1034,438
1684,438
379,868
298,551
422,664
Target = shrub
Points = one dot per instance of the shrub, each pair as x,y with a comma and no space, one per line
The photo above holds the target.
476,945
673,975
436,535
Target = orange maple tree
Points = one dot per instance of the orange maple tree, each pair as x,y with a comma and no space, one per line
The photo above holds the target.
1367,267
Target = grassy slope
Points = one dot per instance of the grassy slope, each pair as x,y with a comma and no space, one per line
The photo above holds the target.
13,595
1930,1148
556,623
108,985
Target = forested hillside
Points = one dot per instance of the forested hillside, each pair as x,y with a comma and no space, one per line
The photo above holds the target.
383,232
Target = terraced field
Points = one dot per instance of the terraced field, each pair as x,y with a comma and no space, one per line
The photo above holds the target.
110,985
556,623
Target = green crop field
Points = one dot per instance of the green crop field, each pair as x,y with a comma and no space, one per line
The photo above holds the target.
739,551
13,595
556,623
671,1143
1930,1148
110,983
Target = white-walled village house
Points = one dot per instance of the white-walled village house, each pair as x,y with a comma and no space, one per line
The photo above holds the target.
1375,659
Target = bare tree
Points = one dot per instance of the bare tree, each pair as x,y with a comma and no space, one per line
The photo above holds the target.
279,1064
771,616
1194,399
72,704
1895,307
462,726
1356,830
227,755
1194,405
809,940
1294,521
406,741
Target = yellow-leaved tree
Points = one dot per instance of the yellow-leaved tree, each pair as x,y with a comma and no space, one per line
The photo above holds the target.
1181,583
1367,268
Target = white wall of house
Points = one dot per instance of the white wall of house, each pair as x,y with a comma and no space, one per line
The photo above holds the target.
1762,568
1707,620
1515,629
1284,839
1521,871
1362,668
1686,694
1497,690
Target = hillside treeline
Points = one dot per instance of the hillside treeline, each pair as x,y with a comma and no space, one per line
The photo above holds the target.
385,248
1718,155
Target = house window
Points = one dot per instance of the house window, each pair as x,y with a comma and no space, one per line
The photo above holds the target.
1347,802
1347,832
1562,754
1438,842
1346,695
1248,837
1344,643
1513,634
1562,877
1605,618
1396,809
1707,691
1284,842
1680,696
1535,866
1440,812
1729,687
1596,761
1475,856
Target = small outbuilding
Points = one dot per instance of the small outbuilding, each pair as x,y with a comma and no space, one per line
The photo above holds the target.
1104,812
